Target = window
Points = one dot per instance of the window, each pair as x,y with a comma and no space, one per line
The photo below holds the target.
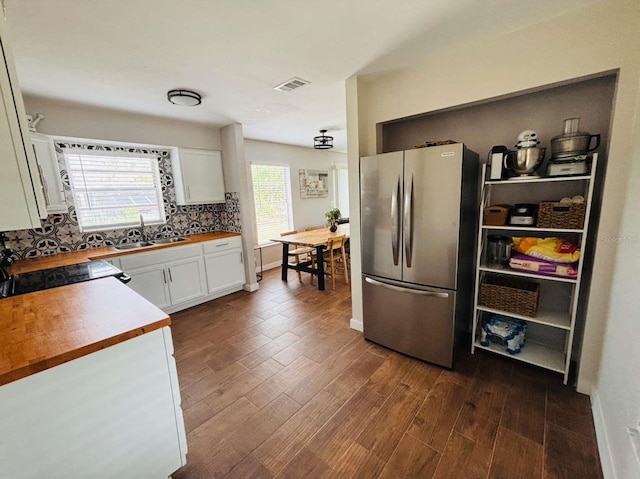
111,189
272,194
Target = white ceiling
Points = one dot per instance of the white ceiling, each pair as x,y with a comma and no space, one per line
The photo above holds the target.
126,54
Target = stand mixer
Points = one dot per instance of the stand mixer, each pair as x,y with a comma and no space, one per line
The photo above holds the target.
527,158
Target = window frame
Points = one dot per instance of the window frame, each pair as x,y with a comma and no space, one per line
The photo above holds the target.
338,191
288,195
155,172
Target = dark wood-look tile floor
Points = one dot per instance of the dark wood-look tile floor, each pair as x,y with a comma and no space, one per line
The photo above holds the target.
275,384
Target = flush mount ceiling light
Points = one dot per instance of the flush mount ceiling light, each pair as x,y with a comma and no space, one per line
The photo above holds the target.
323,142
184,97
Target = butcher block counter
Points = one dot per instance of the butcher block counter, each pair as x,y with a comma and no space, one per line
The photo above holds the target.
47,328
75,257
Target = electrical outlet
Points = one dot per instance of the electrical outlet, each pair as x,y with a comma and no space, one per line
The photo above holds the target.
193,215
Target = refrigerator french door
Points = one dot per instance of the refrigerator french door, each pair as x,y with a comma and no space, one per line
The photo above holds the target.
418,210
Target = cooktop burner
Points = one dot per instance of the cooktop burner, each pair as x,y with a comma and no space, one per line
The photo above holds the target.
61,276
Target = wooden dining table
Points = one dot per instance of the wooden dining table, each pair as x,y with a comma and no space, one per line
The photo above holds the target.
312,239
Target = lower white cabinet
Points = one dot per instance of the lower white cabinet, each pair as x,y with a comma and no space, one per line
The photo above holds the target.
182,276
150,282
186,280
224,264
113,413
167,277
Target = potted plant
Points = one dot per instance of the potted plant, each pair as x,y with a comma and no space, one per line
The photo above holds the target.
332,217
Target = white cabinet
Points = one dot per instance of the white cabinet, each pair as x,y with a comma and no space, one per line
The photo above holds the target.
169,277
183,276
113,413
550,334
186,280
150,282
224,264
49,173
20,190
198,176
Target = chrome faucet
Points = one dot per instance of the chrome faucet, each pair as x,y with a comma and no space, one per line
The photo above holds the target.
142,233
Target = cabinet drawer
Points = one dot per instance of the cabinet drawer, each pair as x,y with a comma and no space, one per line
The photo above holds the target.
161,256
222,244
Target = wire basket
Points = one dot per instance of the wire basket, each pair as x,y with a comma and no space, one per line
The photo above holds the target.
512,295
552,214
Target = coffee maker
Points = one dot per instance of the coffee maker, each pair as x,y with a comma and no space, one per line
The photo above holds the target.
497,155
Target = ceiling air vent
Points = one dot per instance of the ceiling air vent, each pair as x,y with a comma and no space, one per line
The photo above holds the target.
291,84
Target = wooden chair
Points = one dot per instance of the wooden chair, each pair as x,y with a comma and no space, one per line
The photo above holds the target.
335,257
298,255
311,228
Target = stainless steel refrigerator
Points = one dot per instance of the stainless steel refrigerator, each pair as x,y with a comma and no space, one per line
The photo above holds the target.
418,226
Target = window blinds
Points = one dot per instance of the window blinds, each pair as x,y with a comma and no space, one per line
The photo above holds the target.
272,194
111,189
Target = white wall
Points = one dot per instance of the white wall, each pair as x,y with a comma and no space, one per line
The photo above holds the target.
83,121
236,177
617,404
598,38
306,212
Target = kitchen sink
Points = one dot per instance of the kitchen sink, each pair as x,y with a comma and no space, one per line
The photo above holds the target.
139,244
175,239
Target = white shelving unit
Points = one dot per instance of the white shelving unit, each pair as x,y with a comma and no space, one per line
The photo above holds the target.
550,334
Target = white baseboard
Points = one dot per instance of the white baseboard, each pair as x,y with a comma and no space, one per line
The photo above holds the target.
195,302
251,287
275,264
356,324
606,460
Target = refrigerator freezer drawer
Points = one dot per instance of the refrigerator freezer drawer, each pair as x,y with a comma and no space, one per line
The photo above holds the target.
413,320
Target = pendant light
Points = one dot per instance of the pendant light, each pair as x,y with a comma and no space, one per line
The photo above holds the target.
184,97
323,142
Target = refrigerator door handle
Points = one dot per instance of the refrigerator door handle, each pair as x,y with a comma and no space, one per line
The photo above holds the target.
395,222
408,226
406,290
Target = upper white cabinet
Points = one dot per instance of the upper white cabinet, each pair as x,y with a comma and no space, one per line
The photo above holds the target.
198,176
20,189
49,173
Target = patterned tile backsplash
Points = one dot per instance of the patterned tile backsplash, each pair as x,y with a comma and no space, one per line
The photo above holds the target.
60,232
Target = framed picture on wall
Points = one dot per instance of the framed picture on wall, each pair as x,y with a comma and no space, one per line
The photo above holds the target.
314,183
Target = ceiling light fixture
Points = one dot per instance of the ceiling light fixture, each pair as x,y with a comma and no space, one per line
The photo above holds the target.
184,97
323,142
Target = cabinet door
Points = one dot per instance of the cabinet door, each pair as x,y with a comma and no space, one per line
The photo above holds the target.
199,177
150,282
109,414
49,173
186,280
20,191
224,270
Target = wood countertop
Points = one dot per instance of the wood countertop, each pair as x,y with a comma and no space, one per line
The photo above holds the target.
315,237
75,257
47,328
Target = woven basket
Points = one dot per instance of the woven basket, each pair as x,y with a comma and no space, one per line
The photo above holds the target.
512,295
561,215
